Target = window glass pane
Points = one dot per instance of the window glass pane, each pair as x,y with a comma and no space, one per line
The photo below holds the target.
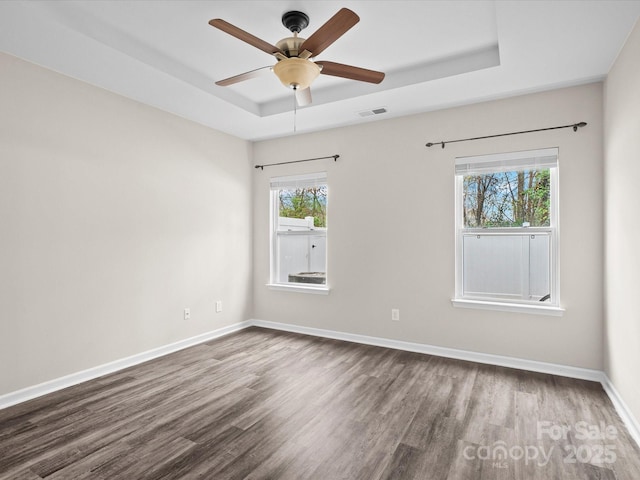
498,196
300,232
509,266
493,265
301,203
507,199
292,251
302,259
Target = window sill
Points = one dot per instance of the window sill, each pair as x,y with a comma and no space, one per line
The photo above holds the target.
323,290
508,307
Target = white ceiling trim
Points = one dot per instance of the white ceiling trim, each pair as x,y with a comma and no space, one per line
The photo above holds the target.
456,65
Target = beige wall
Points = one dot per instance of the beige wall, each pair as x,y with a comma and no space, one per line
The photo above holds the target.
391,228
622,253
114,217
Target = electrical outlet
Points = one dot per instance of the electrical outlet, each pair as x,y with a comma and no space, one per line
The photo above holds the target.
187,313
218,306
395,314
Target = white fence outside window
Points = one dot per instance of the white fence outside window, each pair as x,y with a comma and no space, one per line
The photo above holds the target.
302,251
511,266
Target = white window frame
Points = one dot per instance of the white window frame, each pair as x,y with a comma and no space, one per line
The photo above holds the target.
505,162
277,184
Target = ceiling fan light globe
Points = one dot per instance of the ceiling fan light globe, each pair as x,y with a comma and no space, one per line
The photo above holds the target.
296,72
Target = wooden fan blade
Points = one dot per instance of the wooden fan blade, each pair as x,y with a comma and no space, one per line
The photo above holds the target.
348,71
303,97
244,76
244,36
328,33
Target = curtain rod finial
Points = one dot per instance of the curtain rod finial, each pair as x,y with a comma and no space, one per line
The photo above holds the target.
429,144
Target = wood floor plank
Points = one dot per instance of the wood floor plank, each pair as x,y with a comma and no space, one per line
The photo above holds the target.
261,404
439,449
405,463
24,473
464,462
432,407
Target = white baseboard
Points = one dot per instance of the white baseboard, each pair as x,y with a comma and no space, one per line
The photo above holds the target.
486,358
623,410
34,391
621,407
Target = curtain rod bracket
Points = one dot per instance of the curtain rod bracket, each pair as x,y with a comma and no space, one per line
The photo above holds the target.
575,127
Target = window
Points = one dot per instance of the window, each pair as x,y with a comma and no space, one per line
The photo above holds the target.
506,228
299,231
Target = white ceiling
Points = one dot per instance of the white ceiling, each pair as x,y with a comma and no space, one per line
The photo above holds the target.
436,54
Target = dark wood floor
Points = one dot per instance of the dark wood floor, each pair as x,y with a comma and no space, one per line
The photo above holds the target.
260,404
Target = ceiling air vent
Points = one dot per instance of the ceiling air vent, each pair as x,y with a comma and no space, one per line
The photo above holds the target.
375,111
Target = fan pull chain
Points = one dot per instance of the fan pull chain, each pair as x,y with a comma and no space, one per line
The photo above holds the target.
295,109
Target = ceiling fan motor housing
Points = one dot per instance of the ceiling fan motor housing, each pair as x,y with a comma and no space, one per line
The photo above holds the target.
290,46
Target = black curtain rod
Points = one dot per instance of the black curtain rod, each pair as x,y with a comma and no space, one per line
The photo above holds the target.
335,159
575,127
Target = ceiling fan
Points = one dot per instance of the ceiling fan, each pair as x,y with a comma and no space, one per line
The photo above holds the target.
294,67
